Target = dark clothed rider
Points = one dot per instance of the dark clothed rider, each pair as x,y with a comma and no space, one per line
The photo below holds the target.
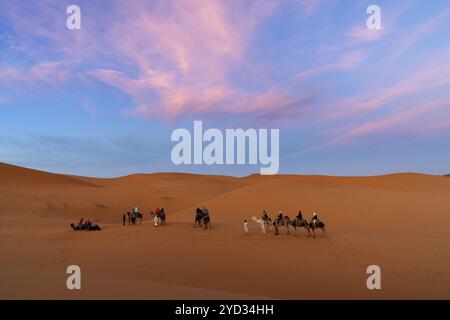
265,216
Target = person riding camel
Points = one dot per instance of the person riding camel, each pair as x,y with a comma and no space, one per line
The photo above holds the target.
280,215
299,216
135,210
264,216
314,219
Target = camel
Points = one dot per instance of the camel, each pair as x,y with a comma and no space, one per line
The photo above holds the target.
132,217
317,224
202,218
158,218
261,222
282,221
267,223
86,227
198,217
299,223
206,221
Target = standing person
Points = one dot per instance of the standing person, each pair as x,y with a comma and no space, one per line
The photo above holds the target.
246,227
124,218
81,221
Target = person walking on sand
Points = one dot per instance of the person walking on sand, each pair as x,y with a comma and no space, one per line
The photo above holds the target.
124,218
246,227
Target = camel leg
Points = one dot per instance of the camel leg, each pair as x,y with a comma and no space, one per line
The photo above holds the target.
309,232
314,233
324,233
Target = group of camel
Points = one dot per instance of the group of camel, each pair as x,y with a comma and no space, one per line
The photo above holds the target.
203,220
87,226
158,216
133,218
266,224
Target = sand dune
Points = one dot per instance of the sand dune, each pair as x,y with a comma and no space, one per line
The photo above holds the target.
400,222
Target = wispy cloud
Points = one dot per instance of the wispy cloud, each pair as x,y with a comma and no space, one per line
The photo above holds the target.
344,62
408,120
420,32
360,33
45,72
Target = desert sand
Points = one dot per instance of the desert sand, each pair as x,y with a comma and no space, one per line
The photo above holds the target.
400,222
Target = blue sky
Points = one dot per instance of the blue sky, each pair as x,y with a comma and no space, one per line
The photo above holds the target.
103,100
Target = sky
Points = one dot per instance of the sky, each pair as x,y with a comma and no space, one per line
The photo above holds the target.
103,100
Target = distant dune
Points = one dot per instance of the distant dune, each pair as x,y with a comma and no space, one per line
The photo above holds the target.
399,221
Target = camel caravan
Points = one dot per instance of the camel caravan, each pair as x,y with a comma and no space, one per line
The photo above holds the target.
266,224
203,221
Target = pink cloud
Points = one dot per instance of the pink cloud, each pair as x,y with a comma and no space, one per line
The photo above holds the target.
184,53
45,72
309,7
344,62
420,32
360,33
433,74
399,122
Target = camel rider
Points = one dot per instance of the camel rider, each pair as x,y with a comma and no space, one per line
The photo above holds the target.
264,216
205,212
135,210
280,215
299,216
314,218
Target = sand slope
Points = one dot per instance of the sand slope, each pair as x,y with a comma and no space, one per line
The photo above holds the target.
400,222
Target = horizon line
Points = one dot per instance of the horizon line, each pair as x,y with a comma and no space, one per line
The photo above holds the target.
223,175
